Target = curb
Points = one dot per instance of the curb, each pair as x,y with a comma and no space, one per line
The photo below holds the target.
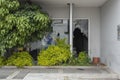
57,67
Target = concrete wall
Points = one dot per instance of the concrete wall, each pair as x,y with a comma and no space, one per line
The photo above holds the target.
93,14
110,46
57,12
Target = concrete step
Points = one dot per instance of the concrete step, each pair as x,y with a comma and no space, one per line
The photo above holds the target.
58,73
70,76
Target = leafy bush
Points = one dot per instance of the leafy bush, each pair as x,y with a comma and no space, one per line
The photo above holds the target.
54,55
62,43
21,23
83,58
20,59
1,61
73,61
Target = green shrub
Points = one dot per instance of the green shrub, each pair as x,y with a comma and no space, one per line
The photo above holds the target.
21,23
20,59
73,61
62,43
1,61
54,55
83,58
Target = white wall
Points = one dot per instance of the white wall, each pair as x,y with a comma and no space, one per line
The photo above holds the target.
57,12
110,46
93,14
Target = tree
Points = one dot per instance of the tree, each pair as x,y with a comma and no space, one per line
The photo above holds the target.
20,24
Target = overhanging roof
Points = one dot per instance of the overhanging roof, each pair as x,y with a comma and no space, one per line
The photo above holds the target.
78,3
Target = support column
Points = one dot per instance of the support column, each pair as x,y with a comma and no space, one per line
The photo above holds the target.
71,26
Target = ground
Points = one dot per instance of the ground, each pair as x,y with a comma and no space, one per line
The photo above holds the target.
51,73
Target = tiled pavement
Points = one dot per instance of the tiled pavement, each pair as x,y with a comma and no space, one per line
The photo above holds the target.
52,73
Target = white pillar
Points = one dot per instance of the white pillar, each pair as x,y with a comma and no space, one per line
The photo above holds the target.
71,26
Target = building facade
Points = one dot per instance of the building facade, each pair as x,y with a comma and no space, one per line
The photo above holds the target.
102,27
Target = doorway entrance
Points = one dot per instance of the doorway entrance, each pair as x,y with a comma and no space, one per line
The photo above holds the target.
80,36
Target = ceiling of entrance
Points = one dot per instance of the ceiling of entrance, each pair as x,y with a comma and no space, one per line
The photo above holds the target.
78,3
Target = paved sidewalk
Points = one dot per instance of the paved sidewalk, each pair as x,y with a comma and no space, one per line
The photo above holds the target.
77,73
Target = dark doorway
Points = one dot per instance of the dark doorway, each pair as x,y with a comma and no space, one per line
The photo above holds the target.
80,36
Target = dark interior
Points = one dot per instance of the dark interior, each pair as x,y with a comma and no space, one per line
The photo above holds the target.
80,41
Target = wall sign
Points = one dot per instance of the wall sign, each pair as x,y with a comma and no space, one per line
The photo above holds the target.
57,21
118,30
